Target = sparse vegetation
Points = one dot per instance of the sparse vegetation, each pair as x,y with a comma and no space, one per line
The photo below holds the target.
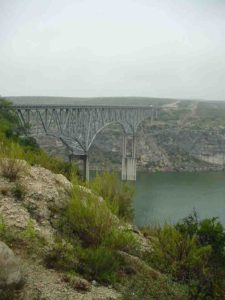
29,238
11,166
87,217
61,255
117,194
88,224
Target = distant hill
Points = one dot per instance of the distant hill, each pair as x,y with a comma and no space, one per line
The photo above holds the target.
91,101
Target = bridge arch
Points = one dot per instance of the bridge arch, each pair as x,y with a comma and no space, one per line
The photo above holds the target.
105,126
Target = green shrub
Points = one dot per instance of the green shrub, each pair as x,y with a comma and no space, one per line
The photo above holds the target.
192,252
121,239
9,122
211,232
188,225
87,217
179,255
100,263
29,239
61,255
207,232
117,194
2,225
7,235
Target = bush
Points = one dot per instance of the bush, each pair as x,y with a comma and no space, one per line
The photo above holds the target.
118,195
11,165
121,239
9,122
179,255
211,232
87,217
208,232
11,168
192,252
100,264
61,255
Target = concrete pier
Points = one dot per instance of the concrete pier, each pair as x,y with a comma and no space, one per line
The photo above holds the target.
129,162
85,160
128,168
86,168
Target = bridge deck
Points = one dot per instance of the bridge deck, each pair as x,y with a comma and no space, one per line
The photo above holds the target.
25,106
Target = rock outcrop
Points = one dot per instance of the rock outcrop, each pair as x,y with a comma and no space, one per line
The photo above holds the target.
37,196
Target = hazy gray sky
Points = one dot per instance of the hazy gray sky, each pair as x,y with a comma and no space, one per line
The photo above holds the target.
156,48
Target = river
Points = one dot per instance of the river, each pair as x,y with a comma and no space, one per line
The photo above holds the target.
168,197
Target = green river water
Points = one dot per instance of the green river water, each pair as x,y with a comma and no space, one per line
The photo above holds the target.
168,197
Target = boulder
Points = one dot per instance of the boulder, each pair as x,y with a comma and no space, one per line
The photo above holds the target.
10,273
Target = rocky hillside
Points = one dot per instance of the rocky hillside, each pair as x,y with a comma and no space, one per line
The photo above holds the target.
30,204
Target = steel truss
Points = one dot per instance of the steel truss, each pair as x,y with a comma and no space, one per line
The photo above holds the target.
77,126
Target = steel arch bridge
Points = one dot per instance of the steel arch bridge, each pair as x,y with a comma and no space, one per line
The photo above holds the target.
78,125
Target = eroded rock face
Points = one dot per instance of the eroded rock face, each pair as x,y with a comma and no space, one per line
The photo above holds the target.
43,195
10,273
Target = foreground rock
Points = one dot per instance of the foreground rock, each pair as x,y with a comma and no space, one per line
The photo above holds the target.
10,273
38,195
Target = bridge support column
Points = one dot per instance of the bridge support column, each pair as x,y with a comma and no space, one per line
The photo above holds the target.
86,168
85,164
129,162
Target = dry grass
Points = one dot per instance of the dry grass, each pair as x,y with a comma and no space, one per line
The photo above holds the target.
12,164
12,168
5,190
